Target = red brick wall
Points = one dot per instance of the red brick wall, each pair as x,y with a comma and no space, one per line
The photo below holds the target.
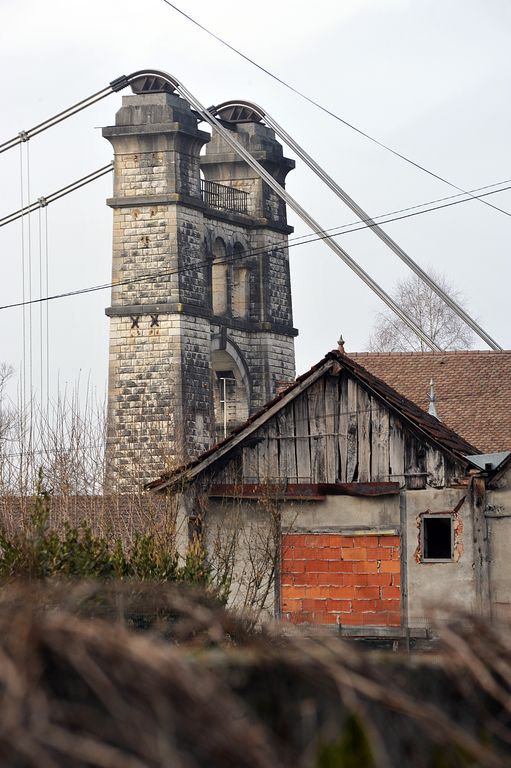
334,579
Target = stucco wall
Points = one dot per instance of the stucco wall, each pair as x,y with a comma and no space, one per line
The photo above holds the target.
433,586
242,544
498,512
343,513
427,586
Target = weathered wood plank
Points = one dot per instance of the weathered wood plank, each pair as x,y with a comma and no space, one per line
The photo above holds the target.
364,436
316,400
342,422
262,454
265,491
415,462
302,491
272,452
231,444
303,456
331,408
250,464
435,467
225,474
352,433
286,444
396,450
379,441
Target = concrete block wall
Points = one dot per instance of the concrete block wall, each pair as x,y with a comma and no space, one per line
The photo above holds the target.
144,371
352,580
145,245
194,274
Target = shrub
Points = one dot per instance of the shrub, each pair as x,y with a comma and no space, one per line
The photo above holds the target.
40,551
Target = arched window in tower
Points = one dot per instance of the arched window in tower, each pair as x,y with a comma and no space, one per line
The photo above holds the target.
219,279
230,396
240,284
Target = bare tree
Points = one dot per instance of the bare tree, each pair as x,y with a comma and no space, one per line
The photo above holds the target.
6,413
429,312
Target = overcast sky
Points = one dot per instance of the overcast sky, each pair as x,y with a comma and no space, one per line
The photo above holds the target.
430,78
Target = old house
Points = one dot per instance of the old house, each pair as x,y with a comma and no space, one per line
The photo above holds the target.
340,502
379,510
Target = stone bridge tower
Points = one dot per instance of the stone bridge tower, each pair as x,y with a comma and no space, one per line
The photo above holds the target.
201,323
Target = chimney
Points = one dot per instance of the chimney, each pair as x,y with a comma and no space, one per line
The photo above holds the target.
432,401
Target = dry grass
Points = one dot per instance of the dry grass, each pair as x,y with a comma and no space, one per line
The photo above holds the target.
202,690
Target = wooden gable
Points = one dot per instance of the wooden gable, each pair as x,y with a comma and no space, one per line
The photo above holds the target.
338,430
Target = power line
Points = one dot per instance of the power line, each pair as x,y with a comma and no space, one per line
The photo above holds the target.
325,109
44,201
368,223
338,229
69,447
310,239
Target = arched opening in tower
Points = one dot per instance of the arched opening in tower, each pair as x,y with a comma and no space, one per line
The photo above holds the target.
230,395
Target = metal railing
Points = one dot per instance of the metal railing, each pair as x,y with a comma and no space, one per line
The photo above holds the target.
222,197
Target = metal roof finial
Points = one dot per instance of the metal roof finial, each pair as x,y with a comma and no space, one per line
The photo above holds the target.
340,345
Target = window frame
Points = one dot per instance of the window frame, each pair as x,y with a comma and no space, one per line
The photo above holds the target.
436,516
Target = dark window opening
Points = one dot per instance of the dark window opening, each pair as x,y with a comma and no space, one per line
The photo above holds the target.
437,538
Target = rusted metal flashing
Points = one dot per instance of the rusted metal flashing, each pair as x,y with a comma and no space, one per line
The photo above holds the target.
363,489
301,491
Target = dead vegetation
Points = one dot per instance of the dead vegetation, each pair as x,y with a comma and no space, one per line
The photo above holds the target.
78,687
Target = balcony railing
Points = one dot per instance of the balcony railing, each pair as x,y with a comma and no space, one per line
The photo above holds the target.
224,198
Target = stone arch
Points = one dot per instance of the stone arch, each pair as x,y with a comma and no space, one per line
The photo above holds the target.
231,386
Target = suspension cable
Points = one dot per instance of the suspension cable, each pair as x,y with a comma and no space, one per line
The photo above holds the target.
122,81
42,202
281,192
358,211
22,136
47,316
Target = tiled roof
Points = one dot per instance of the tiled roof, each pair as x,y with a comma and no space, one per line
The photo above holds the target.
430,426
472,388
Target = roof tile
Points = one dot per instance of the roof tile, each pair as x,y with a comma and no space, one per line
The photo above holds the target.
472,388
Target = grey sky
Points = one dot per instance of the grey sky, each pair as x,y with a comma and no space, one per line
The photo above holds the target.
429,78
